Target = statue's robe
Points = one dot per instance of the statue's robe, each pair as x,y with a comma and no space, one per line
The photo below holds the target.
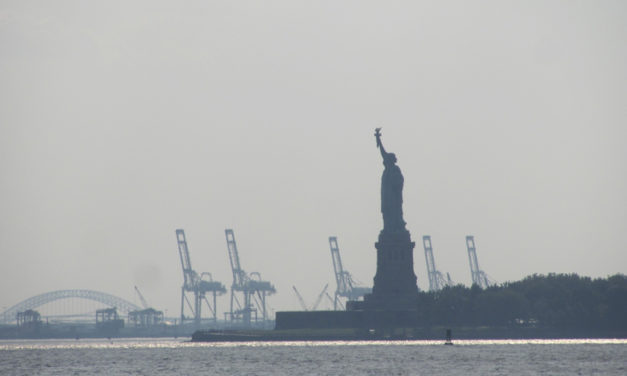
392,198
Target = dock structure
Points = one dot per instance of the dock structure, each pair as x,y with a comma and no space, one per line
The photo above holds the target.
108,320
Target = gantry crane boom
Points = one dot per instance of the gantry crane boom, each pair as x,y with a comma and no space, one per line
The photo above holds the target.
345,284
188,273
436,279
302,303
141,298
319,299
300,299
479,277
431,270
239,276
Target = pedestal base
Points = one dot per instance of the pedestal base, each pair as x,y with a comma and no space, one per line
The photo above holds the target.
395,281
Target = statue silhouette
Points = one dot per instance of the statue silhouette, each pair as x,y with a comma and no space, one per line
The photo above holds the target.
391,190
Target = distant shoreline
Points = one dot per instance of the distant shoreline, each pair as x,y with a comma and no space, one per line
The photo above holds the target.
431,333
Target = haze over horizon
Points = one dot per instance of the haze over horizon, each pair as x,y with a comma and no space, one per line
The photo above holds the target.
121,122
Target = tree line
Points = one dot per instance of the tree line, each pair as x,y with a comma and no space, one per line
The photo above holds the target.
553,300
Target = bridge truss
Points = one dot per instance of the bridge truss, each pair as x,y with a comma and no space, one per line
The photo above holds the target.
9,316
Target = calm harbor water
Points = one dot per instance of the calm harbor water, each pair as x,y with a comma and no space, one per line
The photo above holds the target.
177,357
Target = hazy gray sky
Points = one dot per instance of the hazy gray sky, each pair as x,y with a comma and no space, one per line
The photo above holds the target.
121,121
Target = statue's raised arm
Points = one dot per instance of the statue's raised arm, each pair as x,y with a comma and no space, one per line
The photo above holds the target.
377,134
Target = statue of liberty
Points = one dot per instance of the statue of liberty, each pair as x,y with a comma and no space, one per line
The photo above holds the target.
391,190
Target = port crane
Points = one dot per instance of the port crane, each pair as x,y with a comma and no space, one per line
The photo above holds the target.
147,316
196,285
302,303
319,298
436,279
346,286
141,298
254,290
479,277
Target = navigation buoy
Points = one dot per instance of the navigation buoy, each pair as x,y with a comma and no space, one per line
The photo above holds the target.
448,337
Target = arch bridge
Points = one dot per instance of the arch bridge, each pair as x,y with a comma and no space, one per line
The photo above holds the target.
124,306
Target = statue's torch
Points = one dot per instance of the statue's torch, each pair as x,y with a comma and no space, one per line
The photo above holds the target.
377,134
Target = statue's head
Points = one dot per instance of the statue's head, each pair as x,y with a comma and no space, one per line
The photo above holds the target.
390,158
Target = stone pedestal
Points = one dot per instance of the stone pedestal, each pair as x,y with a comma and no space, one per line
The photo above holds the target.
395,281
